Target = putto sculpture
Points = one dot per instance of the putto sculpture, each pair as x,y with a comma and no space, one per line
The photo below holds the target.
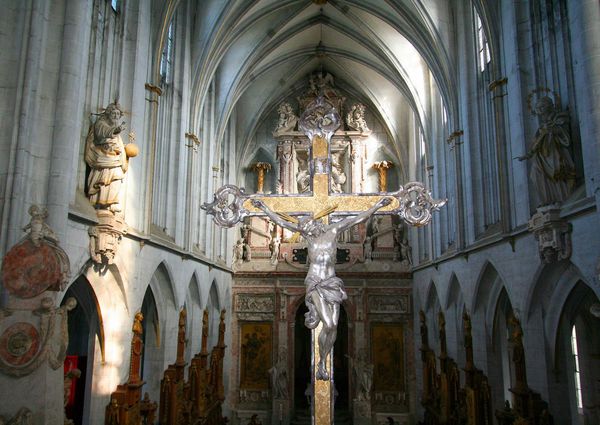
287,118
355,119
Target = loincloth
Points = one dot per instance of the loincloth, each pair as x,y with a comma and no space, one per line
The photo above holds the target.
330,289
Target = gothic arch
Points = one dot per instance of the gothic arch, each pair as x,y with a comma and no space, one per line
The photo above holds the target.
194,317
485,296
86,347
162,285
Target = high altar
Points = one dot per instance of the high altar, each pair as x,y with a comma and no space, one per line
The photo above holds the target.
373,374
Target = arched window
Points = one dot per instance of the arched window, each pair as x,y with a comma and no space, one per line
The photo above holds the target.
485,158
166,59
576,370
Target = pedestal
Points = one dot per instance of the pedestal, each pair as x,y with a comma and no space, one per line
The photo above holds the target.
281,412
361,412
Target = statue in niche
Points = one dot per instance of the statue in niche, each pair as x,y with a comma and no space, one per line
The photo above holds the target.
108,158
287,118
355,119
553,171
363,376
275,246
368,249
238,252
338,177
246,251
406,252
303,177
279,377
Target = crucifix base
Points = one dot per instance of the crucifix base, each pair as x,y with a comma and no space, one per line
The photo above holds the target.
322,413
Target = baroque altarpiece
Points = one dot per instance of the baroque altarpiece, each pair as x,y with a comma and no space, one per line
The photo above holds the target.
373,370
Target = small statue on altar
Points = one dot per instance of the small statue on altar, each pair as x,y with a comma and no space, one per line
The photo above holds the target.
303,177
338,177
275,247
246,251
368,249
406,252
355,119
287,118
238,252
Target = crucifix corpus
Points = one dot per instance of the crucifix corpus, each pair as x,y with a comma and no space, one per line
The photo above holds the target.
308,216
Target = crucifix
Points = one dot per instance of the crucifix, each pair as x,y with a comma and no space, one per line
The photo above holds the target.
307,214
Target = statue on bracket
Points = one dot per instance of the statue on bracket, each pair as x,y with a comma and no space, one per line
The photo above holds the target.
355,119
552,170
108,159
287,118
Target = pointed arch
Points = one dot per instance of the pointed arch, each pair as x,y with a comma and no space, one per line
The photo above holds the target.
86,340
194,317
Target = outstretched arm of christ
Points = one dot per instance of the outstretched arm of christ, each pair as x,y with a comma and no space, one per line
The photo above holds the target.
274,216
352,221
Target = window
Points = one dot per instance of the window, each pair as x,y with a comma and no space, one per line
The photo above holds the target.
483,46
166,60
115,5
576,374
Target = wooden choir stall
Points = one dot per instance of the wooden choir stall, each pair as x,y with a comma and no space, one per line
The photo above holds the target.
195,401
446,402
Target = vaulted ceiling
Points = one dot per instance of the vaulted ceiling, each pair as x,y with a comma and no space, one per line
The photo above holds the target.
392,55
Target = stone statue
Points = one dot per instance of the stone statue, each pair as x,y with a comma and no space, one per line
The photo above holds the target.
303,177
406,251
338,177
246,251
275,246
324,290
238,252
356,118
368,249
106,156
279,378
287,118
37,227
552,170
363,376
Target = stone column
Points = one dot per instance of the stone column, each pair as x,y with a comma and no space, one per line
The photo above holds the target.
357,164
33,330
67,119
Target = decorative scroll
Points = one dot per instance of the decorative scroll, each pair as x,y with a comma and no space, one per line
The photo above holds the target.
320,119
226,207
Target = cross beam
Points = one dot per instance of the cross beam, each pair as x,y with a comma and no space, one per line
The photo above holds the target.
413,203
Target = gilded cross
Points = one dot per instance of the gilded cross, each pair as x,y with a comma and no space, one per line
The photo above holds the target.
412,202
